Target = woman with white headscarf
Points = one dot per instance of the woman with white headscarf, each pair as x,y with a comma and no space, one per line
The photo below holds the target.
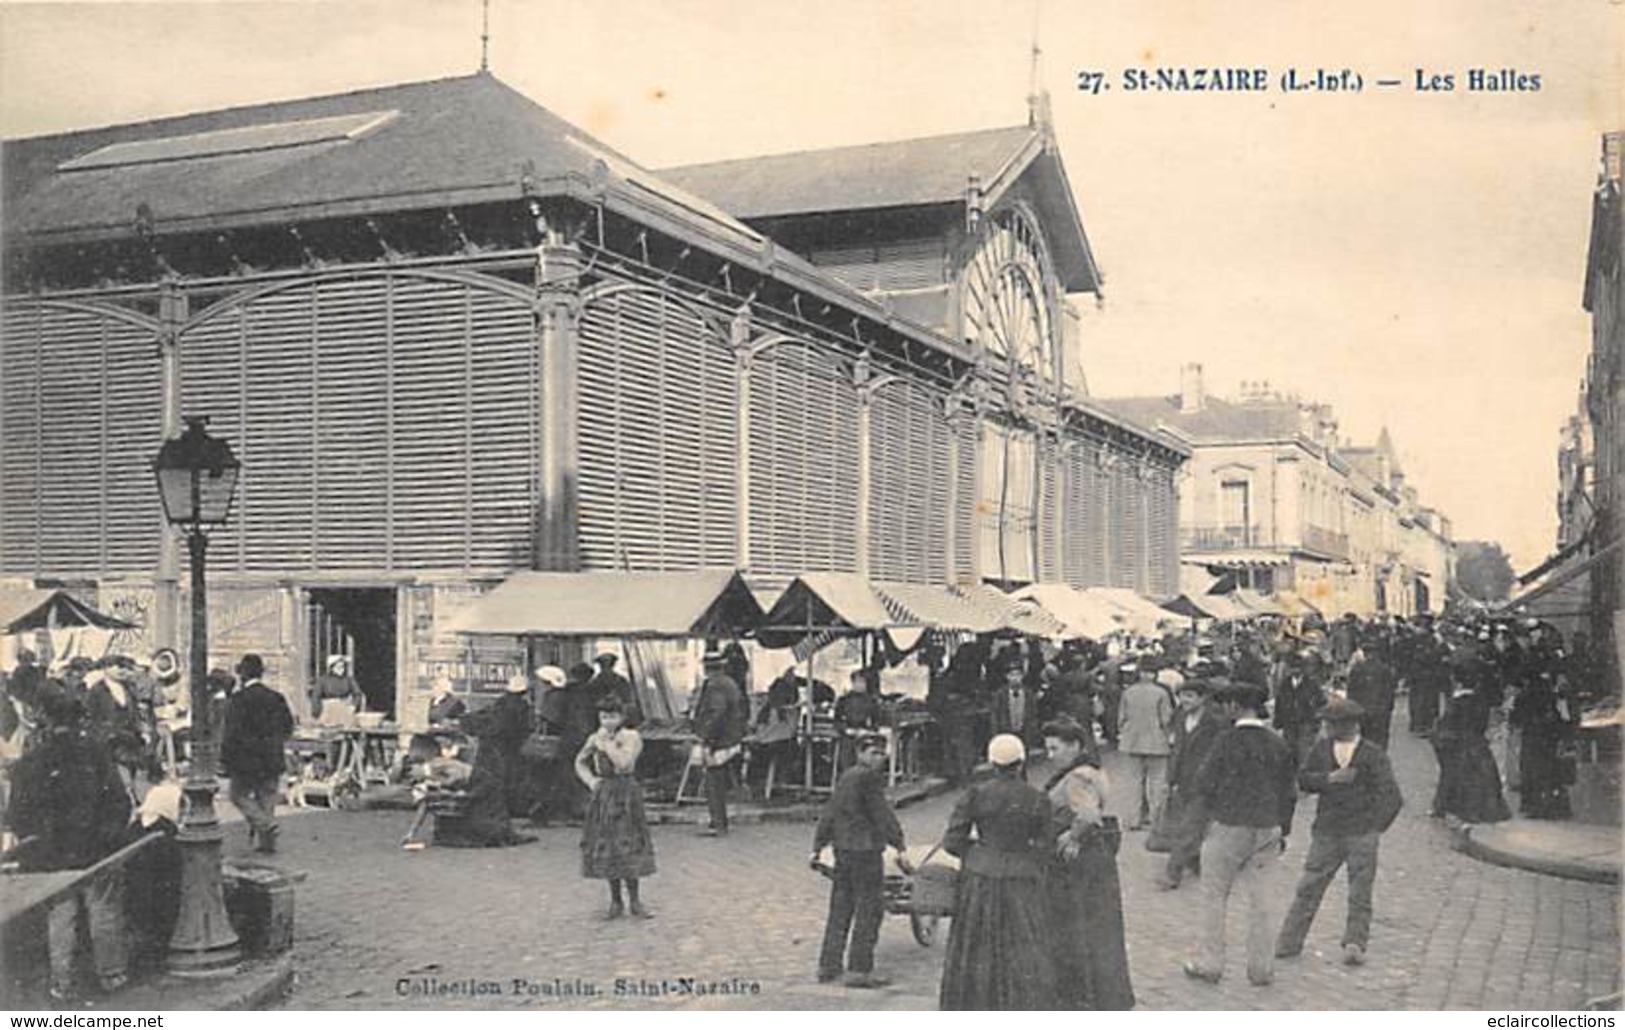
1000,830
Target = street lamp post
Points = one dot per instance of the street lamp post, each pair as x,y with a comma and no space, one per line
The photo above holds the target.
197,476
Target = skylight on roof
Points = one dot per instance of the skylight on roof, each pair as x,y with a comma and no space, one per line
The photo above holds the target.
274,136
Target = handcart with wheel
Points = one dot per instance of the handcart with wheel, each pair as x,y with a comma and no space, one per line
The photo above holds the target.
923,887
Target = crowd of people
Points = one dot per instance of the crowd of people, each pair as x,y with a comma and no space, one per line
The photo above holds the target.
1218,738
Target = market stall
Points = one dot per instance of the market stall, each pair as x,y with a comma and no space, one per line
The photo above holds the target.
1140,615
1083,617
639,609
73,627
819,608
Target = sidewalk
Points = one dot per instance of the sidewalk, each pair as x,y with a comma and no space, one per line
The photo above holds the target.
1574,851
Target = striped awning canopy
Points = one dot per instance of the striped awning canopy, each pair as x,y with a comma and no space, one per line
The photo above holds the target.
937,607
826,604
1013,614
1239,560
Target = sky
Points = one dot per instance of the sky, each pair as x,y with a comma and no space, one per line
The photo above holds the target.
1413,258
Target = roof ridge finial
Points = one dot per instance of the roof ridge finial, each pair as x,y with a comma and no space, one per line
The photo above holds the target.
485,37
1038,107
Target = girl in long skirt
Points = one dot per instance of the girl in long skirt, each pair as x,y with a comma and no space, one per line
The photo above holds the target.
615,841
997,944
1084,894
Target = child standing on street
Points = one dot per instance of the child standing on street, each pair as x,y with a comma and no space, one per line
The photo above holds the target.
615,841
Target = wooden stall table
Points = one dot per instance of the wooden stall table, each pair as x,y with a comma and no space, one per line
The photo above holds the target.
676,737
821,734
905,733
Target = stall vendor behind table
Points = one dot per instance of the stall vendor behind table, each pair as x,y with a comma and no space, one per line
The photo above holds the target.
858,711
336,685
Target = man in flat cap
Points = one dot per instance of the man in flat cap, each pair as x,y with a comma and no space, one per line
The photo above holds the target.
1197,727
859,824
1359,800
1247,788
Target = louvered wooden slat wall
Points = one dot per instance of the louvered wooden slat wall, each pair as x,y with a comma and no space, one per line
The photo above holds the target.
1165,534
383,423
908,493
659,435
905,265
1127,526
966,523
1088,526
80,421
803,463
1050,528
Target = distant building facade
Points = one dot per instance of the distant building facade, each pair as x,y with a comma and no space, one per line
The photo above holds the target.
1604,299
451,336
1273,501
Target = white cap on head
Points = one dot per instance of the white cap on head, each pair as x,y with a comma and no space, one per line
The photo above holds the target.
335,662
552,675
518,684
1170,678
1006,749
163,801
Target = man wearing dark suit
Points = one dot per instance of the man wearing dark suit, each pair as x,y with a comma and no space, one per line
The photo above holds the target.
258,723
1372,685
1197,727
718,715
1359,800
859,823
1247,785
1298,698
1015,705
607,683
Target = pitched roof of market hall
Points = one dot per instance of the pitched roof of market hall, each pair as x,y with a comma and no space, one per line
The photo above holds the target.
473,139
419,145
904,173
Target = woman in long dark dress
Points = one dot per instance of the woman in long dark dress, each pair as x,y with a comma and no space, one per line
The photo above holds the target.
615,841
1084,894
1542,717
483,820
997,956
1469,783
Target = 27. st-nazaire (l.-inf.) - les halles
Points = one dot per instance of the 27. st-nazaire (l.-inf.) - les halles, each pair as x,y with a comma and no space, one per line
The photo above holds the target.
1256,80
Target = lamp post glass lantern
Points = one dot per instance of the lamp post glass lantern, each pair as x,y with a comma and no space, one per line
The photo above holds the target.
197,476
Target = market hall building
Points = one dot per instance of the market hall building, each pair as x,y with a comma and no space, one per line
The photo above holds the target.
451,336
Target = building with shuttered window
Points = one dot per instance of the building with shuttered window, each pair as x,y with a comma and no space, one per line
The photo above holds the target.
1276,501
451,336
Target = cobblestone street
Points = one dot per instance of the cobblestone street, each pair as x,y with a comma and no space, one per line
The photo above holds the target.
376,924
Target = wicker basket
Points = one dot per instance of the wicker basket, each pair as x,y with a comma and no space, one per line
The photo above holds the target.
935,890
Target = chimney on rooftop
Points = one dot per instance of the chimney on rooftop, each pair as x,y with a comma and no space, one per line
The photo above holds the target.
1191,395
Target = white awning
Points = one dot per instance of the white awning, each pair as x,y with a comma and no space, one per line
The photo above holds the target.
704,603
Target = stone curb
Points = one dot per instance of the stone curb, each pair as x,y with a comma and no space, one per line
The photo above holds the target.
1468,842
260,983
